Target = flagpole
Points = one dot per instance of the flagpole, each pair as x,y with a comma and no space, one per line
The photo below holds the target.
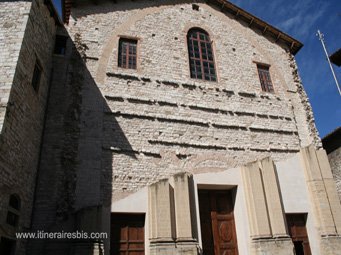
321,38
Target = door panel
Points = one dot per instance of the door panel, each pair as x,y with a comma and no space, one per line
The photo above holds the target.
217,222
298,233
127,234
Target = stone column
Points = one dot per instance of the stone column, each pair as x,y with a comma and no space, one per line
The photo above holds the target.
273,198
160,218
256,202
160,212
331,190
186,244
317,190
182,207
323,197
266,215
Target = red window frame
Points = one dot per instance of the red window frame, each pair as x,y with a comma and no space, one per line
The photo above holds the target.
127,53
265,78
201,56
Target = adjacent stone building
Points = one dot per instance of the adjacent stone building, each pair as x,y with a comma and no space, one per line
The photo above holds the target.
177,127
27,34
332,145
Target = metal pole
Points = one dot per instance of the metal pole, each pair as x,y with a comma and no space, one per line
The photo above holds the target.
321,38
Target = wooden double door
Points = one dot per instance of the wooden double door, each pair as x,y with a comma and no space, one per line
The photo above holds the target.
218,229
127,234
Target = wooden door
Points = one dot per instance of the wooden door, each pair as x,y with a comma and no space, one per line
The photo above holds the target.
218,229
127,234
298,233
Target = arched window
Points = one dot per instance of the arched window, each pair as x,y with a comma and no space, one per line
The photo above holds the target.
13,210
201,57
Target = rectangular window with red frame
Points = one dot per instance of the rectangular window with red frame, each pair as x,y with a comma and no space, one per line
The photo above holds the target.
127,53
264,77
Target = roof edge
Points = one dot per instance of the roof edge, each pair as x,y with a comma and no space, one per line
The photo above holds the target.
239,14
266,29
66,10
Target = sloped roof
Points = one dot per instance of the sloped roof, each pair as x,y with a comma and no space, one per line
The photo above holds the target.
336,58
238,13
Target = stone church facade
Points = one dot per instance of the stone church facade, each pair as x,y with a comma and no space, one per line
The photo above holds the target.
177,127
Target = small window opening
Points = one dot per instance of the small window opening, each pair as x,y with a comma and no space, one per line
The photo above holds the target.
12,219
13,210
60,45
14,202
127,53
264,77
195,7
36,76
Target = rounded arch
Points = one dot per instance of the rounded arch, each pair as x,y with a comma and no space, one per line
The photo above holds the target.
193,25
197,29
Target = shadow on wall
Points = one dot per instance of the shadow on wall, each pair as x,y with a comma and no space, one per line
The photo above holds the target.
74,187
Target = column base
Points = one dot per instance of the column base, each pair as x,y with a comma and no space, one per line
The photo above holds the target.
270,246
178,247
330,245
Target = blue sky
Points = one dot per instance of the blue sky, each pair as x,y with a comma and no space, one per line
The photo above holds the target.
301,19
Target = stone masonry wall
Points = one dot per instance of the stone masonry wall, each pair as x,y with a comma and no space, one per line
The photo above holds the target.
70,166
13,20
335,164
174,123
28,31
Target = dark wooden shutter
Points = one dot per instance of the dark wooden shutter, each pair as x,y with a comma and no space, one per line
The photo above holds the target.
265,79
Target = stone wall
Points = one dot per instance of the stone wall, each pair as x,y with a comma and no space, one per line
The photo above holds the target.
27,29
111,131
335,164
70,166
13,21
265,194
170,120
